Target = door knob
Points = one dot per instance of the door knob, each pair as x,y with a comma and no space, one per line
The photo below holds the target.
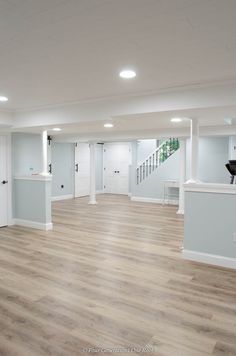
4,182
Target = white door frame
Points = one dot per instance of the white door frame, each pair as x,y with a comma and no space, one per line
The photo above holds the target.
10,220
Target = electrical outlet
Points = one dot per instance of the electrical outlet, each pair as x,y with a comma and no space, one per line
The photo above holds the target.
234,237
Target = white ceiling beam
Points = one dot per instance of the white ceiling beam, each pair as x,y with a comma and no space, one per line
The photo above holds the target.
202,97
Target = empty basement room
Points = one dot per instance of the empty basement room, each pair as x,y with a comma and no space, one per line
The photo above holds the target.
117,177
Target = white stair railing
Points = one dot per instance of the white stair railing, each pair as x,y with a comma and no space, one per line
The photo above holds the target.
156,158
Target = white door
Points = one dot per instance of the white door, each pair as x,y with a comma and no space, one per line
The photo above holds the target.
117,158
3,181
82,169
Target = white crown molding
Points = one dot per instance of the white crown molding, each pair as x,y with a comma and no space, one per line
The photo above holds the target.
174,88
216,260
7,110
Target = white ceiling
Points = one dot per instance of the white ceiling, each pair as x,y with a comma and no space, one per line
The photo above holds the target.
59,51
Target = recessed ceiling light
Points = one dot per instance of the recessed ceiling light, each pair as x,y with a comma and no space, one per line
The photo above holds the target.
127,74
56,129
176,119
108,125
3,98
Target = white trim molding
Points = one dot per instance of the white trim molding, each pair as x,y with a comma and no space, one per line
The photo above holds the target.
39,177
210,188
9,173
215,260
155,200
100,191
33,224
9,176
63,197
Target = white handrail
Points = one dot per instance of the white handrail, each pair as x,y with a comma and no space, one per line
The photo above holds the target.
150,155
146,167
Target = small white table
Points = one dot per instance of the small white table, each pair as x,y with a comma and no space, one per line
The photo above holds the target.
167,185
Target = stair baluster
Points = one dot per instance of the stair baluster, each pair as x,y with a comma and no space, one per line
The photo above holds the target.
153,161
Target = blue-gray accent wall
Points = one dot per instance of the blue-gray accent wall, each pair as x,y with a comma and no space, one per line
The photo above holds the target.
26,154
213,154
209,223
32,200
62,169
153,186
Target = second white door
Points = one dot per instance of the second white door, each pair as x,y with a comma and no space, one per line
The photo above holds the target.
117,158
82,169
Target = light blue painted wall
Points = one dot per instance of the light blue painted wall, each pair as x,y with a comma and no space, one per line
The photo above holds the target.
26,154
210,223
152,186
32,200
99,166
213,154
145,148
62,168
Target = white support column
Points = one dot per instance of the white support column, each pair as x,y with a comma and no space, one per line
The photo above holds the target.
194,144
182,175
92,196
44,153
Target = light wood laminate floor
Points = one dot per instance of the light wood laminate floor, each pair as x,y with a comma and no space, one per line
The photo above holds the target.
111,276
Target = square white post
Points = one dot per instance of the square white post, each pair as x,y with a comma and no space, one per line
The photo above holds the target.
92,196
44,153
182,175
194,148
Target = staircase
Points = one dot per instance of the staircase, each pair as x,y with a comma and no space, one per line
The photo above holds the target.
154,160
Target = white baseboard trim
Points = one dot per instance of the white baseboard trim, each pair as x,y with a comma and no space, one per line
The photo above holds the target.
216,260
33,224
180,212
63,197
11,222
92,202
154,200
100,191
